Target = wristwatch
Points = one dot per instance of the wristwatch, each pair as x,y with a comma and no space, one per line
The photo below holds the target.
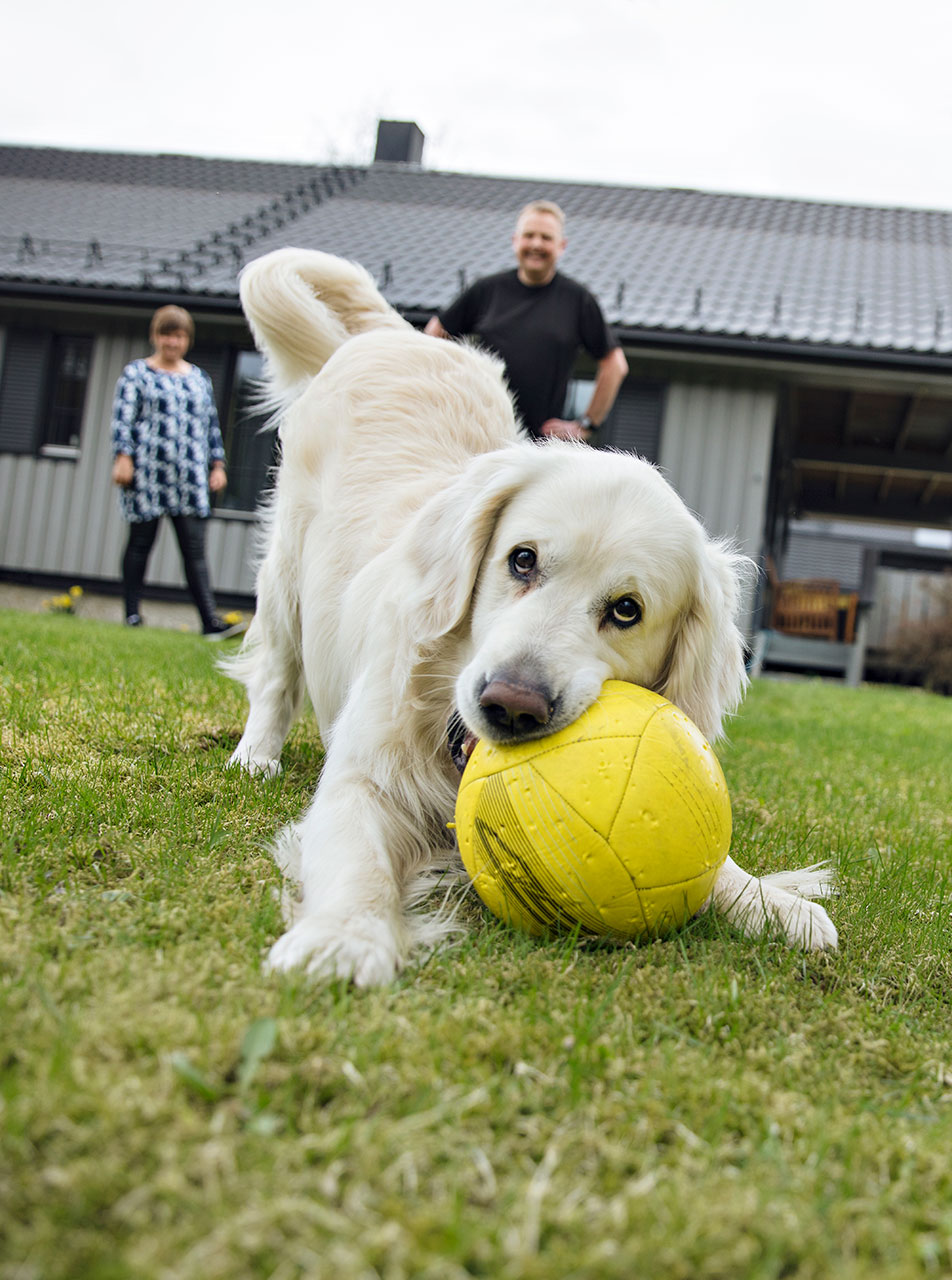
586,423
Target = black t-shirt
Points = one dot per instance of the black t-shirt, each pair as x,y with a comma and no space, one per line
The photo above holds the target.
537,331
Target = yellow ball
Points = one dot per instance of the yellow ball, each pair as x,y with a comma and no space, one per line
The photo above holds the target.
616,825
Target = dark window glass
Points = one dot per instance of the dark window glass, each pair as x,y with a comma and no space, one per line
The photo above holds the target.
251,451
70,361
635,423
23,388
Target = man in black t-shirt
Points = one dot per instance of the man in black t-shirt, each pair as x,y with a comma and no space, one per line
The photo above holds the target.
536,320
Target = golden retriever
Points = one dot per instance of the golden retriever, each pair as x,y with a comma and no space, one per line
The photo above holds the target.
424,561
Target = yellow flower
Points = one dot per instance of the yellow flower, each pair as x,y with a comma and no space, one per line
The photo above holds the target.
59,604
75,592
233,617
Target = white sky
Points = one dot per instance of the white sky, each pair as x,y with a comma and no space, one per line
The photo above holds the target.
847,100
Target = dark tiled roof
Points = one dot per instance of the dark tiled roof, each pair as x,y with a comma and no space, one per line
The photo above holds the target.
661,261
121,221
122,168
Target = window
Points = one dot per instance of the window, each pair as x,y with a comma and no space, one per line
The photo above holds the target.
69,375
43,391
634,424
578,397
251,450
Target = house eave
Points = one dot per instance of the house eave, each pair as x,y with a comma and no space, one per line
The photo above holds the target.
97,295
774,349
632,338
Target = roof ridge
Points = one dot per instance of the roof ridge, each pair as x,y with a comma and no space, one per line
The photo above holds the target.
10,151
144,168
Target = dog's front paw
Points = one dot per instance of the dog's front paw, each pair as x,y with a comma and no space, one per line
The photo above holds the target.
257,766
756,906
763,907
805,924
364,949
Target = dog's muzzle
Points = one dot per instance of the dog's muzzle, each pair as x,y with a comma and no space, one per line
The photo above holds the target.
516,707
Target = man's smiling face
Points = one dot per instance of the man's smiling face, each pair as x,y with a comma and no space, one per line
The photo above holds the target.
538,244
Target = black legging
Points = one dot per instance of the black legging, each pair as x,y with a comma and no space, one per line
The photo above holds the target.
190,531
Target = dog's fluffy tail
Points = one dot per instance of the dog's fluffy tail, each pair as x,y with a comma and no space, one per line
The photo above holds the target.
302,305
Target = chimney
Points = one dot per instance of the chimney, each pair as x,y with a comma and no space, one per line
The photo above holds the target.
398,142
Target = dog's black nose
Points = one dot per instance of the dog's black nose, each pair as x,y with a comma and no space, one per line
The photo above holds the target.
518,708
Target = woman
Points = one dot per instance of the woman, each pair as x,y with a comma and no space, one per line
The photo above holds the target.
168,455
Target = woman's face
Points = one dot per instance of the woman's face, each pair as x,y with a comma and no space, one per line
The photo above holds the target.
171,347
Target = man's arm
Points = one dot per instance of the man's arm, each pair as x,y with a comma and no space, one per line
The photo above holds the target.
611,373
434,328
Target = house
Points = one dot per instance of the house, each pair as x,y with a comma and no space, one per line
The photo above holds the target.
791,361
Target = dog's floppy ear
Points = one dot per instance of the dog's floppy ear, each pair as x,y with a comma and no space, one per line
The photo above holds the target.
705,675
448,538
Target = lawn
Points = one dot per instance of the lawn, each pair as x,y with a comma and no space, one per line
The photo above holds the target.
701,1107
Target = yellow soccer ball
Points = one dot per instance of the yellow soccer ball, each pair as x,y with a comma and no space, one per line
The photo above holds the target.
616,825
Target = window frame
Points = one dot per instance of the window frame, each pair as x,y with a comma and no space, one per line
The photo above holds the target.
636,421
28,388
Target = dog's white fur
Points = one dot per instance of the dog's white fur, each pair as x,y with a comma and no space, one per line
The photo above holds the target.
387,593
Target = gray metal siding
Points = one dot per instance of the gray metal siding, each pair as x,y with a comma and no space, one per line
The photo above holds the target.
813,556
60,515
715,449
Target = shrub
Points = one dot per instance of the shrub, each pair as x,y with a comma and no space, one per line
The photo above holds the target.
925,647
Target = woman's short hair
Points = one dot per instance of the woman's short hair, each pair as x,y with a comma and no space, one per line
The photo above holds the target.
170,320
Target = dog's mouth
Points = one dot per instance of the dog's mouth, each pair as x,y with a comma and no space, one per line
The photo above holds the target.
460,740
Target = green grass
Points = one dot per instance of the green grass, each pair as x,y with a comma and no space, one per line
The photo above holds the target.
706,1107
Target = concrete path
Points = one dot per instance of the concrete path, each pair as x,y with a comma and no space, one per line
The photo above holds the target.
169,615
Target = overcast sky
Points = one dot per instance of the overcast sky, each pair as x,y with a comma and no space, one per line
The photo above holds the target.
845,100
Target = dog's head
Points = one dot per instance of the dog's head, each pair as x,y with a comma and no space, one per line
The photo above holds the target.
560,567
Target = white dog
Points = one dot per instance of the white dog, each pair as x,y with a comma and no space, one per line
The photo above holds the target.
422,562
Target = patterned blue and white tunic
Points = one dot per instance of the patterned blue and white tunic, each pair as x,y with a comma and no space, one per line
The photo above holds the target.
168,424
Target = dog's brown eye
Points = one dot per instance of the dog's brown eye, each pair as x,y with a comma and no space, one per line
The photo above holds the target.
522,561
625,612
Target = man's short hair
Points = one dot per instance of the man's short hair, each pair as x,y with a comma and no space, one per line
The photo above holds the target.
544,206
169,320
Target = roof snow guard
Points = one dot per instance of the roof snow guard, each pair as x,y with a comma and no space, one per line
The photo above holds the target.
176,224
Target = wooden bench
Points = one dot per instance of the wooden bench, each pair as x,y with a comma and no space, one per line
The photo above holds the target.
817,608
811,625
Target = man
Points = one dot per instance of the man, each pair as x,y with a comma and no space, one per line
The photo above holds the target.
536,320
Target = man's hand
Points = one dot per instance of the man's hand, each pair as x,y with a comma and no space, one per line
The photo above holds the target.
217,478
564,429
122,470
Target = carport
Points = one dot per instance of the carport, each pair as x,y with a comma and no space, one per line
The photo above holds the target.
877,454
